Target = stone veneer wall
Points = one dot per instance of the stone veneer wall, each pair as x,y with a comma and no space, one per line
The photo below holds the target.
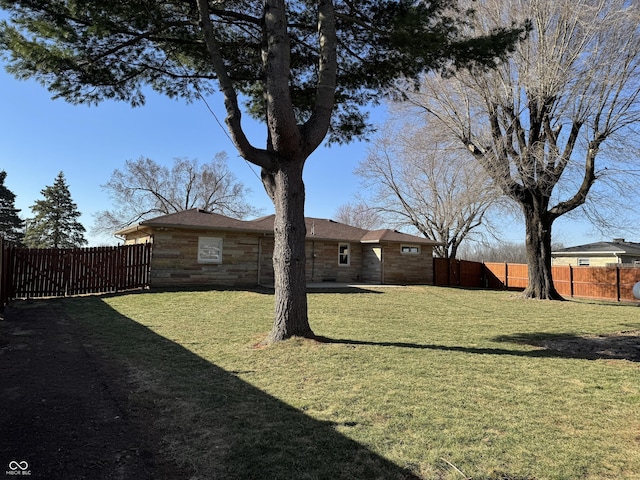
322,262
174,260
407,269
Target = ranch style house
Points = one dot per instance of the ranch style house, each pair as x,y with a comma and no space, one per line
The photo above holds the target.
197,247
600,254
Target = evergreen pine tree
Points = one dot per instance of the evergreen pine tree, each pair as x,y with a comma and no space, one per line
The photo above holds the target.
11,224
56,219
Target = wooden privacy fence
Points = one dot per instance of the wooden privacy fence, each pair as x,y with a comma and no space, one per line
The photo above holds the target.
605,283
458,273
596,282
53,272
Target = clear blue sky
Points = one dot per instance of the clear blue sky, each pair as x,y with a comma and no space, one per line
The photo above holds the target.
41,137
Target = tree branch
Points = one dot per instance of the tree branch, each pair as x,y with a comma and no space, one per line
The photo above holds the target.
284,134
234,115
588,180
317,126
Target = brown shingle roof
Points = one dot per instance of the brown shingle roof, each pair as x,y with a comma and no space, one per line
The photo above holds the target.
194,218
318,228
386,235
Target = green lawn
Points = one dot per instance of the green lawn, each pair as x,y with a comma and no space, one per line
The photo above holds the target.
415,382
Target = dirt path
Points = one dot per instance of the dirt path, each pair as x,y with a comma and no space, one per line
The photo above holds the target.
62,414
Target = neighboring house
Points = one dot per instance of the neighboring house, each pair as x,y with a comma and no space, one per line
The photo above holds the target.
599,254
195,247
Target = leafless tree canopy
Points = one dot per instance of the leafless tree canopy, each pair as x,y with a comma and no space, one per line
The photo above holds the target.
145,189
416,176
507,252
359,215
544,125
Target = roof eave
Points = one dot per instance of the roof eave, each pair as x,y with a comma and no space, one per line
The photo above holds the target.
130,229
431,243
207,227
585,253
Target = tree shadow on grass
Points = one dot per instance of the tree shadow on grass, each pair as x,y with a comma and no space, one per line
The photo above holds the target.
212,421
326,287
343,289
617,346
625,346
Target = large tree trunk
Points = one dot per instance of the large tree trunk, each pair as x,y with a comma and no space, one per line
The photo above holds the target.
286,188
289,144
538,242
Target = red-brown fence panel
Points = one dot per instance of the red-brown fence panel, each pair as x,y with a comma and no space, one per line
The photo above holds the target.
471,274
38,272
628,277
518,276
605,283
457,273
441,272
595,282
562,276
54,272
496,275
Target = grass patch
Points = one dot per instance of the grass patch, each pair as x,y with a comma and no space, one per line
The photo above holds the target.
415,382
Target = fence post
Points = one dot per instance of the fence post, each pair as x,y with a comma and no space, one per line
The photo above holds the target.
506,275
618,282
118,267
571,280
66,271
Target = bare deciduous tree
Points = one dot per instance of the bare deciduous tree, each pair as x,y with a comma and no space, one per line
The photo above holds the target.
541,123
358,215
144,189
416,177
507,252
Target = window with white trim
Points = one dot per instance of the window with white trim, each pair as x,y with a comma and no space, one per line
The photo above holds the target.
410,249
344,257
209,250
583,262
